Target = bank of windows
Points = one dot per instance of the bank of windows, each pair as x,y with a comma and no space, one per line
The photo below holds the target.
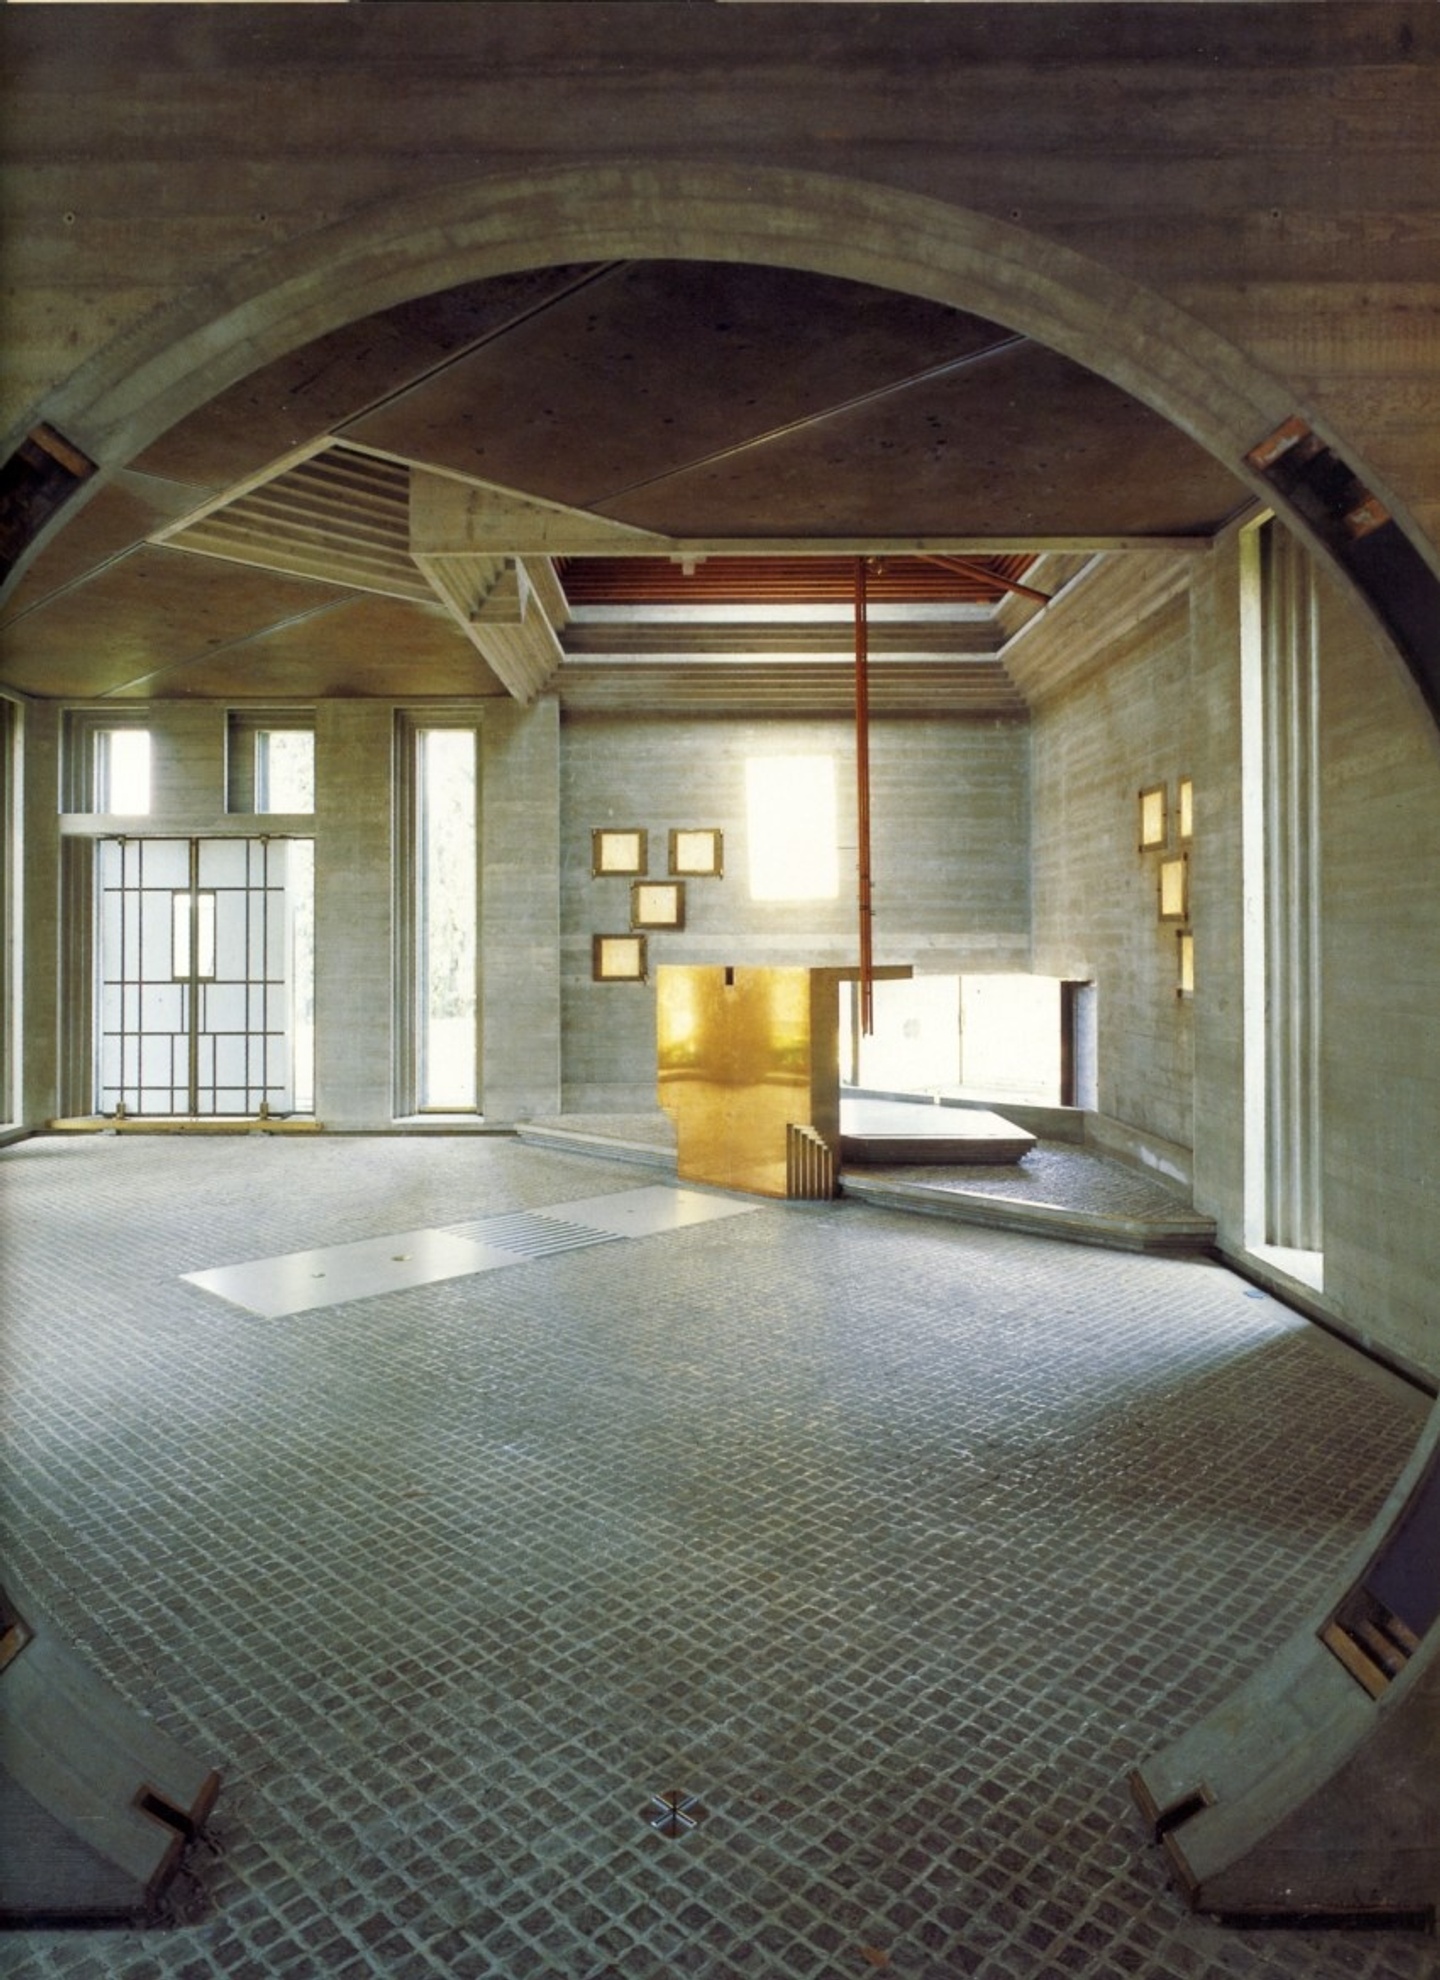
269,764
190,986
438,888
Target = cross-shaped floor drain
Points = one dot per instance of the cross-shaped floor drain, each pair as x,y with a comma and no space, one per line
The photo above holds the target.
673,1813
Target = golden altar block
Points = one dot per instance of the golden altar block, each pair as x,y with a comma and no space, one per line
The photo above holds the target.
749,1071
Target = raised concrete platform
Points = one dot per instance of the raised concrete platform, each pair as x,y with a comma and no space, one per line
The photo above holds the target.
1060,1190
876,1132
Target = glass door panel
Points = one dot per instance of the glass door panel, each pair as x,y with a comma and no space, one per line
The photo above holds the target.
204,977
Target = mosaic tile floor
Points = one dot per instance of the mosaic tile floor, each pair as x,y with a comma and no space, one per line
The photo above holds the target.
891,1543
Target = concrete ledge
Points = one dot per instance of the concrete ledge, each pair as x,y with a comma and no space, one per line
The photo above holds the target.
185,1124
1184,1235
1304,1299
571,1141
1165,1162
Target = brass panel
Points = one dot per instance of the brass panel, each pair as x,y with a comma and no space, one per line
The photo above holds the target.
736,1056
742,1055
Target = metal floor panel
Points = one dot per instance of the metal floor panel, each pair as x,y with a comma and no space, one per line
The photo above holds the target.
306,1281
649,1212
332,1275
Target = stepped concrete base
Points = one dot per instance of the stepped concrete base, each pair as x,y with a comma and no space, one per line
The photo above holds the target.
1062,1191
875,1132
1168,1229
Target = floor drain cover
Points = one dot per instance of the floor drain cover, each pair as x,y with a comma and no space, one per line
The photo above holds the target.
673,1813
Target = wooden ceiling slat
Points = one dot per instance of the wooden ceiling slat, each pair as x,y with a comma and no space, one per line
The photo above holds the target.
334,522
257,531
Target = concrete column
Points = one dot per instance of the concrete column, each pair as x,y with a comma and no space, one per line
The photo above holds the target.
354,888
520,911
1217,894
37,911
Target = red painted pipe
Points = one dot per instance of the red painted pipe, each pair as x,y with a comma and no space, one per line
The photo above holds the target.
862,801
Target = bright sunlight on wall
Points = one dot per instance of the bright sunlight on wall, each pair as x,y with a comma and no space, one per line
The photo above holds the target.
790,807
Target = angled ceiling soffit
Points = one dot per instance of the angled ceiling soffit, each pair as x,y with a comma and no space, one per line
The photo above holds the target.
485,551
328,512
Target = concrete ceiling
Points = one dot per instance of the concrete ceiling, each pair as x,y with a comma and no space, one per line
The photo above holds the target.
349,519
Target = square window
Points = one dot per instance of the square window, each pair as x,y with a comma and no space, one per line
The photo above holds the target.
122,772
657,904
620,852
1175,889
618,959
285,770
696,852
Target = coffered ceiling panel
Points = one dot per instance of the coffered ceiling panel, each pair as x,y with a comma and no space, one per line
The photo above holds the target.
357,646
308,392
1025,442
115,519
141,621
657,365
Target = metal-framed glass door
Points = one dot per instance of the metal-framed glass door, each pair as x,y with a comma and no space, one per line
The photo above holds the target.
204,957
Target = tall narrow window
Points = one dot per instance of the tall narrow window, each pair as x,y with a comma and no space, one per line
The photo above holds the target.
122,772
285,770
790,814
1280,735
446,1009
192,921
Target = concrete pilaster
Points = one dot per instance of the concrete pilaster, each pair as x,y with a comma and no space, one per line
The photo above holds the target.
520,911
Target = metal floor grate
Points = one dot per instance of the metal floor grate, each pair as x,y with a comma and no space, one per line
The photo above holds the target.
530,1234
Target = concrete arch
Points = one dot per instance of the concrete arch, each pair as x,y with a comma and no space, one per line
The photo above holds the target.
383,255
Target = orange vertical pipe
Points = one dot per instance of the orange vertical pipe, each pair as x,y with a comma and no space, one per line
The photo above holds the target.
862,802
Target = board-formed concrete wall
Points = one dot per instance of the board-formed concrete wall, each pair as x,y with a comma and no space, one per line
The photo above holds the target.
1380,967
1133,690
950,836
1109,719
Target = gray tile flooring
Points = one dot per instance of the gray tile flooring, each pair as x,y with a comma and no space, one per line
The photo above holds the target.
892,1543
